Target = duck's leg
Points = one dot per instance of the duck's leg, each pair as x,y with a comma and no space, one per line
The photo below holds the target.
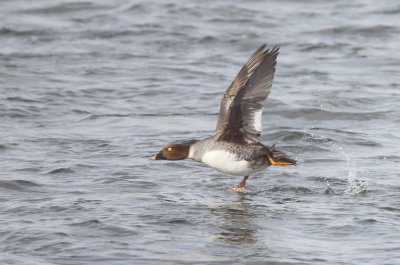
243,182
242,185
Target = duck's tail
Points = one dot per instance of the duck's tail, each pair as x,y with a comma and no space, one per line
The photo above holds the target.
278,158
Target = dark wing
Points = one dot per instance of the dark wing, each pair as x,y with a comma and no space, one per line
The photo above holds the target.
241,106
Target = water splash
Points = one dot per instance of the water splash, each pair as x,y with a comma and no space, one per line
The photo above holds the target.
355,186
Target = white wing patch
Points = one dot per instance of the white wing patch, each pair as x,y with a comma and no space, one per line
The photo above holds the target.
257,120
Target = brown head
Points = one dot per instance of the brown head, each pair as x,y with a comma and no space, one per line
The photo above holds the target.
173,152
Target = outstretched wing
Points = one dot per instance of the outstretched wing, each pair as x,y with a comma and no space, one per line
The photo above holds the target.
241,106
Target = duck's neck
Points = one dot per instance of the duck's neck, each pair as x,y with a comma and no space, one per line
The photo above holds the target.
193,152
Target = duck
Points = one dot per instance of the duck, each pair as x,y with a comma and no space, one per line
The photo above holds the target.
235,147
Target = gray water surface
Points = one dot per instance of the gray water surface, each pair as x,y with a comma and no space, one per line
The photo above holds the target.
91,89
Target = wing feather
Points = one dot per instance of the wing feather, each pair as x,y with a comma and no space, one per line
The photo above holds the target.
241,106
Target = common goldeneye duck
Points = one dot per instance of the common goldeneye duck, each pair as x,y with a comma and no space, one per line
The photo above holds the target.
235,147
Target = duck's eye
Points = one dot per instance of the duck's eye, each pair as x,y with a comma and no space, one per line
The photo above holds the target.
169,149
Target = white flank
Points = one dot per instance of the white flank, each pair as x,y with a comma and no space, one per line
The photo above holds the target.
257,120
226,162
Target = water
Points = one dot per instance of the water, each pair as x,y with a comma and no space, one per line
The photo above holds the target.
91,89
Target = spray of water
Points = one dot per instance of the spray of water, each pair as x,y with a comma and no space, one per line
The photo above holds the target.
354,185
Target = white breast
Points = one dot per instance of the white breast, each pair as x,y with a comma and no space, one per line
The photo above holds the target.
227,162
